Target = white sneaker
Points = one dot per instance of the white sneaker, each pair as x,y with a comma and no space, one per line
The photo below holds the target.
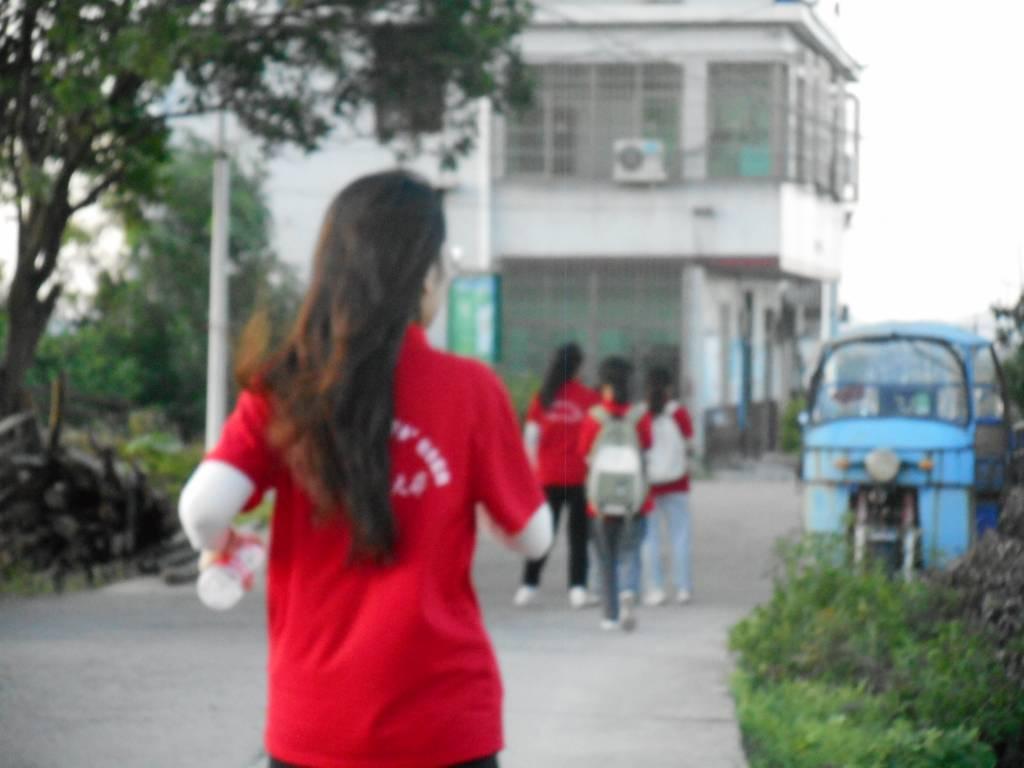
609,625
580,598
524,596
627,594
683,596
655,597
627,614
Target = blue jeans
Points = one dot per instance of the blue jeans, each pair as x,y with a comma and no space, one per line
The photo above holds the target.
671,510
617,540
630,565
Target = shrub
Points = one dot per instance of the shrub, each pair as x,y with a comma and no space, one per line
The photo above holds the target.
955,679
165,460
914,651
803,724
791,437
823,620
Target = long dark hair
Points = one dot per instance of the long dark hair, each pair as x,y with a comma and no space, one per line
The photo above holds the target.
565,364
332,380
659,387
615,372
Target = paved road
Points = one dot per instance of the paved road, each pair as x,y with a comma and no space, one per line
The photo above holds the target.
142,675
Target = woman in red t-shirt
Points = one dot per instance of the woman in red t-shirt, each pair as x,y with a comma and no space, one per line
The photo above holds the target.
667,470
379,449
552,436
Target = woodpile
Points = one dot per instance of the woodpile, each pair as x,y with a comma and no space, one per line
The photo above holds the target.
65,510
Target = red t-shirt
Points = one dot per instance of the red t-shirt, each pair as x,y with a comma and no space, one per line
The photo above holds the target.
591,427
390,666
558,460
682,485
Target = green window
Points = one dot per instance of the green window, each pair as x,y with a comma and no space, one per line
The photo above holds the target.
746,120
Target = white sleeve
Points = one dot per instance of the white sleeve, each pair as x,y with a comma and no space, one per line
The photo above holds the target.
210,500
531,439
533,541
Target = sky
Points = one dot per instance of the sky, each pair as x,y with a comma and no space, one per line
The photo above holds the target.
939,232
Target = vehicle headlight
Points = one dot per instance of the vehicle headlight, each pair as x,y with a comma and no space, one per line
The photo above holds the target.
883,465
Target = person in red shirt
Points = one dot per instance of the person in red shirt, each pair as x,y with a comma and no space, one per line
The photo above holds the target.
552,435
617,537
667,465
379,450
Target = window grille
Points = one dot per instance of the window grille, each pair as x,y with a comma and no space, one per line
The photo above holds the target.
747,110
580,110
630,308
823,141
758,126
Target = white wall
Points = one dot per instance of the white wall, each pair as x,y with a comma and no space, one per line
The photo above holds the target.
300,187
588,220
661,43
813,233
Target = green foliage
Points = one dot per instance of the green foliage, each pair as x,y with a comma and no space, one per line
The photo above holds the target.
898,649
823,621
145,339
19,580
1013,369
165,460
95,359
792,436
803,724
1010,334
89,92
955,678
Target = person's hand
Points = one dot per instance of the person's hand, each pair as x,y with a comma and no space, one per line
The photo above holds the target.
207,558
228,542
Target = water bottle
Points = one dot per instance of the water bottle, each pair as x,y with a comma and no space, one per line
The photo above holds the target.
222,583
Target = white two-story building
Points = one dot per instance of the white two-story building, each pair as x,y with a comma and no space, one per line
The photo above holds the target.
678,193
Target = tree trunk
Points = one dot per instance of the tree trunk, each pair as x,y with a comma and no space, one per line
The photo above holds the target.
27,317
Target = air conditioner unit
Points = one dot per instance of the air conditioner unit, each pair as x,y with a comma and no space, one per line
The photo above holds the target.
639,161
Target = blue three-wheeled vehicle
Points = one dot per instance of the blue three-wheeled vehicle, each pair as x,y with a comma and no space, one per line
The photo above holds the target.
907,442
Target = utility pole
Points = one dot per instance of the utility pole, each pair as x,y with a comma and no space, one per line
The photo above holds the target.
484,257
217,339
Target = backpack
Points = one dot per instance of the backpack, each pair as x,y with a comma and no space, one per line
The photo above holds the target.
666,460
616,484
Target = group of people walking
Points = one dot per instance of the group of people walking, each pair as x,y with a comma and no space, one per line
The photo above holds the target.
618,470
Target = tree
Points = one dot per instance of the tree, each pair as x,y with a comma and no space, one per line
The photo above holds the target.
1010,336
144,339
89,90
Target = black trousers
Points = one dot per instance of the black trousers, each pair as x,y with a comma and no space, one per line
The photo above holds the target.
573,497
483,762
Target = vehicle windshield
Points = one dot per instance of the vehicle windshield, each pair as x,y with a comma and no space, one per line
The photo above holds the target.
892,378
